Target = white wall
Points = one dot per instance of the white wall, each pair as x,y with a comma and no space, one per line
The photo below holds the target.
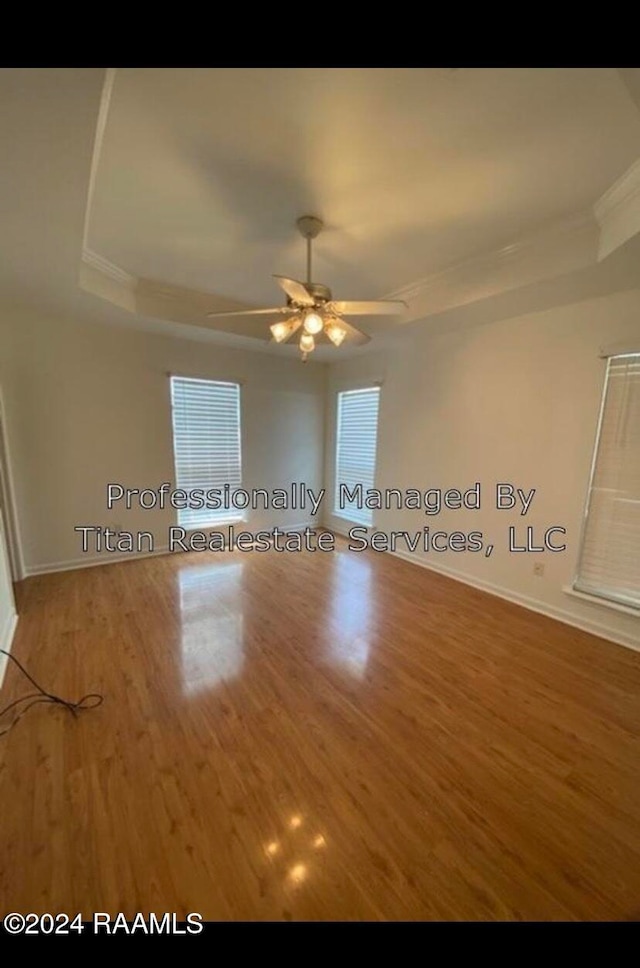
88,404
515,401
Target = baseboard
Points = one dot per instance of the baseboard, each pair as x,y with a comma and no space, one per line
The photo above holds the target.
533,604
6,638
112,557
90,561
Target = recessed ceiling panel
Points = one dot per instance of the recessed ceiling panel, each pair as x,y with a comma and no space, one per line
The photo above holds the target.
202,172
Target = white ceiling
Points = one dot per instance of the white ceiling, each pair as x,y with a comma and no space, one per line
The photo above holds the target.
201,174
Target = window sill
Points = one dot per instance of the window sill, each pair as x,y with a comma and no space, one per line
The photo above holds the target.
343,517
215,525
596,600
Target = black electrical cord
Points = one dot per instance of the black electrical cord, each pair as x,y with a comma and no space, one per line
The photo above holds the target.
90,701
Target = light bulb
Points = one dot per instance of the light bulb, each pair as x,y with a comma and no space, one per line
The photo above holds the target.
313,323
336,333
307,343
280,331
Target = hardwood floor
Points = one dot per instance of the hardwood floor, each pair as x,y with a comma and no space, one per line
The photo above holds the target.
316,736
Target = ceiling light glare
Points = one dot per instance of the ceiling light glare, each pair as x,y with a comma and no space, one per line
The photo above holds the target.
313,323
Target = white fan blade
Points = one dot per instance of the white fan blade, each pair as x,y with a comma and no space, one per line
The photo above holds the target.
379,307
355,336
296,291
250,312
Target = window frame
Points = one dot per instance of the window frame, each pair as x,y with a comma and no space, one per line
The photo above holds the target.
619,603
230,517
344,513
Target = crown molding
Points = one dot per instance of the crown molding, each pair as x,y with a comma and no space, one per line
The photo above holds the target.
618,211
107,281
626,348
101,123
558,248
107,268
619,193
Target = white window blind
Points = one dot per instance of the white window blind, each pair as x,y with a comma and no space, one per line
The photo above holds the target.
609,563
356,440
206,444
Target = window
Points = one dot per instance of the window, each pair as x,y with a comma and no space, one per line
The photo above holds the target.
609,563
356,437
206,446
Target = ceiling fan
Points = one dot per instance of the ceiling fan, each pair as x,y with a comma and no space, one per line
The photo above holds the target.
311,306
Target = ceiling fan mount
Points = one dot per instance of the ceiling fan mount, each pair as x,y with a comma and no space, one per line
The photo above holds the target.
310,305
320,293
309,226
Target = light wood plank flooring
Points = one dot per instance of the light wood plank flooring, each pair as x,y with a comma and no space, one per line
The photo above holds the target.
316,736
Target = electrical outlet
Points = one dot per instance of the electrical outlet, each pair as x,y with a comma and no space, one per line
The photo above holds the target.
538,569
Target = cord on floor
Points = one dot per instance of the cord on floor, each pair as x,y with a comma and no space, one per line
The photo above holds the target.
90,701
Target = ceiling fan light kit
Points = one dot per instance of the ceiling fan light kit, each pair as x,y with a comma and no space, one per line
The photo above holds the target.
307,343
310,305
313,322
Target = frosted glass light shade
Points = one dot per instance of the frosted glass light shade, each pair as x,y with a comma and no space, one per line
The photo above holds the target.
336,333
285,328
313,323
280,331
307,343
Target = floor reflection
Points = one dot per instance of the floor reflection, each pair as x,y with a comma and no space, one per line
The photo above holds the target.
296,853
212,624
352,613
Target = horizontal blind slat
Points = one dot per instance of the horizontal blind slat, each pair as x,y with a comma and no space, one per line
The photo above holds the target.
610,557
356,444
206,444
